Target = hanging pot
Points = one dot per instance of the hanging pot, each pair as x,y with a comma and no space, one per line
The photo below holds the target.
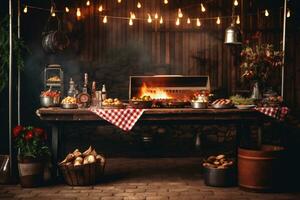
56,40
31,172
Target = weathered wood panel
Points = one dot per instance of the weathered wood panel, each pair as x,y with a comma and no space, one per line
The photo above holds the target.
185,49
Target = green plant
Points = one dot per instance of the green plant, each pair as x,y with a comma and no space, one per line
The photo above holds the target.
19,49
31,142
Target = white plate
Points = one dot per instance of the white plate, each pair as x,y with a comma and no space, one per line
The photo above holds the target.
244,107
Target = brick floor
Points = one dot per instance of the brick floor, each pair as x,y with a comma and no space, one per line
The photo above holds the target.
147,179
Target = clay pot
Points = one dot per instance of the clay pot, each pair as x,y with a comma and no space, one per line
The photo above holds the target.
31,172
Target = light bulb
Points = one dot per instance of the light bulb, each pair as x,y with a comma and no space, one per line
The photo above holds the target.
119,1
132,15
218,21
67,9
198,23
88,3
105,19
138,5
203,9
25,9
149,20
236,3
130,22
188,21
78,13
238,21
177,22
53,14
180,15
288,14
161,21
100,8
267,13
166,1
156,16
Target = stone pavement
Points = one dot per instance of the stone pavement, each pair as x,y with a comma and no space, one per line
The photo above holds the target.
148,179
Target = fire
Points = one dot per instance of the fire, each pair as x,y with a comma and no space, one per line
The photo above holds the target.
154,93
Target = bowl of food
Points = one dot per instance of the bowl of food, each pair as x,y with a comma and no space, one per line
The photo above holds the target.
143,102
69,103
49,98
199,102
112,103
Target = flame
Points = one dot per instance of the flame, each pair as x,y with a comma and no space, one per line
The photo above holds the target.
154,93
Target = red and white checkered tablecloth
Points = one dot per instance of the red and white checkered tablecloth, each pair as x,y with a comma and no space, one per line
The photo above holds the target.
276,112
125,119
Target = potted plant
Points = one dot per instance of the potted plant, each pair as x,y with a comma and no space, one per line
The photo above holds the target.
259,62
33,152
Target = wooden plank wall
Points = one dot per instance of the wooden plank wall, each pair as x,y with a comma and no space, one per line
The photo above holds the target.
183,49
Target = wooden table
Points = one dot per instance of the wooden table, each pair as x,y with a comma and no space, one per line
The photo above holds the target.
58,117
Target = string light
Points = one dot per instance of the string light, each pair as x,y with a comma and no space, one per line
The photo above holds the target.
100,8
238,21
132,15
161,21
218,21
267,13
105,19
236,3
25,9
198,23
203,9
288,14
188,21
156,16
130,22
78,13
119,1
180,15
138,5
177,22
52,11
149,20
67,9
88,3
166,1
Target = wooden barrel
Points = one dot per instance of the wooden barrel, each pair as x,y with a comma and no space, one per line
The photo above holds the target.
260,170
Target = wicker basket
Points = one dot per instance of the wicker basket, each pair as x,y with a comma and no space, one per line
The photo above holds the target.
87,174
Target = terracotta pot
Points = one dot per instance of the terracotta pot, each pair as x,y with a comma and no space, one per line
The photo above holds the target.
31,172
261,170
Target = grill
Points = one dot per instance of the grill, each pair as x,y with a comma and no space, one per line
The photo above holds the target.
171,87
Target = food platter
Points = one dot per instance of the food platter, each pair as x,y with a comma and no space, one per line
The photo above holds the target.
245,107
140,104
69,106
222,104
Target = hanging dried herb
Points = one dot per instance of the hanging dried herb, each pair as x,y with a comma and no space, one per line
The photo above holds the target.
19,49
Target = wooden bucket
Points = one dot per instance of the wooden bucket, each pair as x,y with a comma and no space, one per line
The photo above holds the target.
260,170
83,175
31,172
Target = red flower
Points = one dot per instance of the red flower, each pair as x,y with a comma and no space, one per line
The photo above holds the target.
17,130
29,135
39,132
